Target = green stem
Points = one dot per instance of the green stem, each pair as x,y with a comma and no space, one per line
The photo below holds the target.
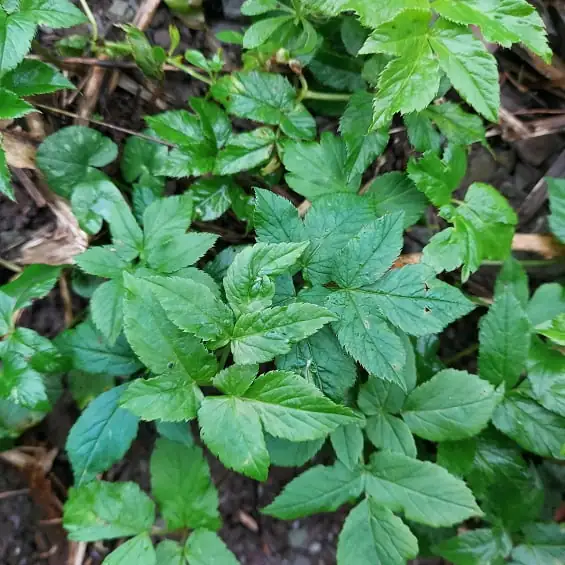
526,263
189,71
88,13
329,96
463,353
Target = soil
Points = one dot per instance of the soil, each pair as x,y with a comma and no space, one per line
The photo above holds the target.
513,167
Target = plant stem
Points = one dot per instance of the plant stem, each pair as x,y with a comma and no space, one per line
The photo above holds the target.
463,353
526,263
189,71
330,96
91,19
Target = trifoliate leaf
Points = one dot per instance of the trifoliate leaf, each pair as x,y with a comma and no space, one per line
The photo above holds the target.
373,535
204,548
245,151
101,436
101,510
468,65
452,405
319,489
276,219
504,341
425,492
183,489
136,551
68,156
389,433
477,547
34,77
556,189
259,336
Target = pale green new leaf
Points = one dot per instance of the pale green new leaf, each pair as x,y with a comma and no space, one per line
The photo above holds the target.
425,492
101,436
181,484
136,551
477,547
452,405
102,510
206,548
504,339
319,489
373,535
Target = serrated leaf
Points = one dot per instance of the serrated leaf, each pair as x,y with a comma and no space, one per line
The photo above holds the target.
373,535
259,32
236,379
102,261
102,510
20,383
372,14
469,66
68,156
320,359
20,25
425,492
136,551
389,433
166,218
395,192
34,77
212,197
477,547
35,281
142,157
547,302
101,436
258,337
53,13
12,106
276,219
512,21
347,442
248,283
543,543
458,126
531,426
504,339
285,453
193,307
452,405
319,489
421,132
245,151
181,484
513,278
106,306
556,189
206,548
376,396
321,168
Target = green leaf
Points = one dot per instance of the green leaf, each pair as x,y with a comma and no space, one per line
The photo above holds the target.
457,456
373,535
425,492
193,307
91,353
458,126
259,32
319,489
245,151
20,383
166,348
236,379
101,436
12,106
176,431
395,192
547,302
257,7
68,156
513,278
136,551
206,548
248,283
142,157
35,281
389,433
169,552
5,176
106,306
477,547
531,426
285,453
376,396
276,219
34,77
181,484
438,178
149,59
101,510
554,329
321,168
543,543
53,13
20,25
320,359
127,236
102,261
259,336
212,197
421,132
469,66
166,218
231,428
504,341
556,189
452,405
347,442
513,21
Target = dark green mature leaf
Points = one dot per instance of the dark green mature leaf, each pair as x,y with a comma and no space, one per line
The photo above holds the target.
17,24
138,550
373,535
395,192
34,77
206,548
321,168
556,189
212,197
425,492
260,336
276,219
376,396
543,543
101,510
101,436
477,547
181,484
504,341
12,106
102,261
347,442
389,433
531,426
142,157
421,132
319,489
245,151
457,456
452,405
35,281
68,156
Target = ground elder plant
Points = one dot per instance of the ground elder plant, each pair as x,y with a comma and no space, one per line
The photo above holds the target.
312,335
